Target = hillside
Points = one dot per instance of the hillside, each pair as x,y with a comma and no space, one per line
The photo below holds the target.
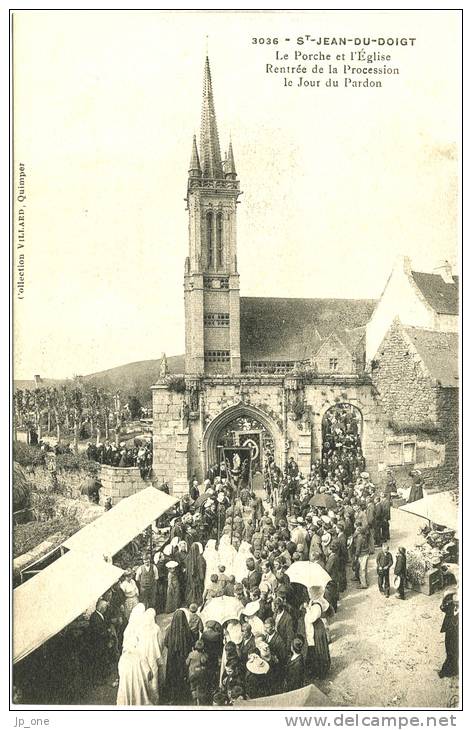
135,378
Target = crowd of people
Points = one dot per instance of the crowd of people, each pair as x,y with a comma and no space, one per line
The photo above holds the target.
233,577
342,456
108,453
277,635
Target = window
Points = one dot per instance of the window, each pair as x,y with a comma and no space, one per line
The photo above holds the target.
395,454
268,367
209,238
409,453
216,282
333,363
216,319
219,240
216,355
401,453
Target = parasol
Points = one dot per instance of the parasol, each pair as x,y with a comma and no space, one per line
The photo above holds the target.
201,499
221,609
307,573
323,500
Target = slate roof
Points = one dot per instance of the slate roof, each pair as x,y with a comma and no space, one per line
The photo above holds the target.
439,352
281,329
443,297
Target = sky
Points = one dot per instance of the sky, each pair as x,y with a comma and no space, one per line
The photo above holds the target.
336,183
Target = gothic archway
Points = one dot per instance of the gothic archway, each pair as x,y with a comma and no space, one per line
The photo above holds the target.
341,429
243,425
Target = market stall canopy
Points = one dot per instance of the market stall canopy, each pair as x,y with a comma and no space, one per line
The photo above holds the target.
108,534
440,508
51,600
309,696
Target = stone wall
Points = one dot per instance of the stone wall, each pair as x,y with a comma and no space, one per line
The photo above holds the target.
334,349
422,417
119,482
73,480
170,437
408,393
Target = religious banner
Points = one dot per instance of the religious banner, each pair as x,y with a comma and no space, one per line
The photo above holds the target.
236,466
252,440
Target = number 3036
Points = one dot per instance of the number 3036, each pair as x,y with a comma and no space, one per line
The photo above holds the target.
267,41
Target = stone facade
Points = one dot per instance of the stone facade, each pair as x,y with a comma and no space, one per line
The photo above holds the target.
333,356
119,482
290,409
422,416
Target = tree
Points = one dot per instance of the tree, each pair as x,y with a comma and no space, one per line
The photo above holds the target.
135,407
57,407
77,404
38,404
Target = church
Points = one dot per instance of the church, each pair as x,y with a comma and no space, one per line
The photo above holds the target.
261,372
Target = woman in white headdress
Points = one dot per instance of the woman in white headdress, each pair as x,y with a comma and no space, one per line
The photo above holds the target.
133,628
135,674
210,555
151,645
239,565
227,554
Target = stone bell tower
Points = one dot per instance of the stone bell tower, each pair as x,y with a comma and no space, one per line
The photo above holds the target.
211,280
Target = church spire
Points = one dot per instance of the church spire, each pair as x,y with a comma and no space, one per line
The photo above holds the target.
211,165
230,167
194,168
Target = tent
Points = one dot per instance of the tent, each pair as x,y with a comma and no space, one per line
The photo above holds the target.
51,600
439,508
117,527
309,696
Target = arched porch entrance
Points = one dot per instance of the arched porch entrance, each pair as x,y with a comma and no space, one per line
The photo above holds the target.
243,425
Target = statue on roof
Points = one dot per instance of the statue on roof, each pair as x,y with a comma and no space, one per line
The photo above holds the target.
163,367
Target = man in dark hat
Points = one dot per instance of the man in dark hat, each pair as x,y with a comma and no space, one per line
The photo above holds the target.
277,648
283,622
384,563
248,644
295,670
146,579
254,575
400,572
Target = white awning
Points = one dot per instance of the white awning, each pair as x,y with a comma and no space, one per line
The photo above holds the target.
108,534
51,600
440,508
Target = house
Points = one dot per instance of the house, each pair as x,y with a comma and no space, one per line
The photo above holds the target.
416,372
418,299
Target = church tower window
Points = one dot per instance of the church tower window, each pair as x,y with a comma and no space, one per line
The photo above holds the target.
219,240
209,237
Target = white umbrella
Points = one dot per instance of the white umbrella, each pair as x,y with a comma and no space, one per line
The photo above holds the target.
439,508
307,573
221,609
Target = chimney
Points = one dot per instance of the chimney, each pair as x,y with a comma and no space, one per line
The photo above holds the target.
444,269
403,264
37,379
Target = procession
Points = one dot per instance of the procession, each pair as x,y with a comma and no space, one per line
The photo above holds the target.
254,590
236,595
269,515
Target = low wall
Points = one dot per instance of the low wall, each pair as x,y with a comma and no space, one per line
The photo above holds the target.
119,482
74,480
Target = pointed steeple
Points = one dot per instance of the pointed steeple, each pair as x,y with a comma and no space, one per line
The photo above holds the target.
210,154
194,169
230,167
